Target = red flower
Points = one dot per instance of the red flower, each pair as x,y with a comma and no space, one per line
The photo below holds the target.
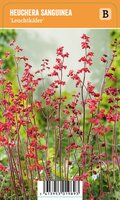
103,60
36,166
94,121
12,43
33,143
60,82
70,135
2,168
60,51
83,70
66,125
54,73
70,73
69,162
90,54
66,111
31,155
92,104
7,54
86,60
85,37
42,147
18,49
85,45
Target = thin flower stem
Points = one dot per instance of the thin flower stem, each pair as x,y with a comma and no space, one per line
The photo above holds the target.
14,166
59,125
12,173
27,174
34,120
104,82
19,161
43,163
75,157
83,100
84,108
67,178
9,156
65,173
21,175
108,171
17,68
55,146
100,166
89,133
114,144
48,126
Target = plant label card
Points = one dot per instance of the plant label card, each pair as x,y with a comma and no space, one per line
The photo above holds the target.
59,100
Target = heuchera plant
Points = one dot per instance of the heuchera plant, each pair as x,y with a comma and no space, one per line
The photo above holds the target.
84,130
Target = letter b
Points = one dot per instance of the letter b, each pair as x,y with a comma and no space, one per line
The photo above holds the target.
105,14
